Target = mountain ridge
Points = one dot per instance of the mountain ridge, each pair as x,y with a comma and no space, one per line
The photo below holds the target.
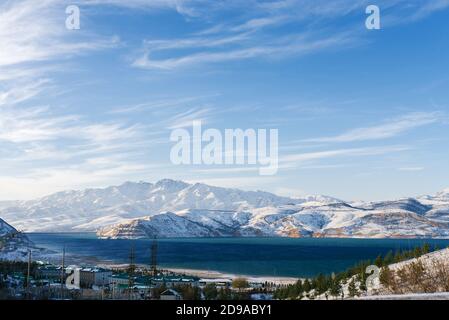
215,211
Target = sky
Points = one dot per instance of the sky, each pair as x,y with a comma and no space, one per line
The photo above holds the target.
361,114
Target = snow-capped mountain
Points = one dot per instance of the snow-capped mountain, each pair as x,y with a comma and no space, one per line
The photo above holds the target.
93,208
393,219
171,208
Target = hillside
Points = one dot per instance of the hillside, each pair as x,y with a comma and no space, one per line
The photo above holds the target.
13,244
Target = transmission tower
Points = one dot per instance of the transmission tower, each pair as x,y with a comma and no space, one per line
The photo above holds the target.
154,257
62,273
131,271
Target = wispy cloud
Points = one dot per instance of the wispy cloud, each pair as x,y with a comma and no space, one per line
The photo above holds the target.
299,44
159,105
385,130
21,93
188,8
186,118
255,35
33,31
295,160
413,169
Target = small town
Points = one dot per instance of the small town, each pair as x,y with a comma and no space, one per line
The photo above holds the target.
38,280
53,282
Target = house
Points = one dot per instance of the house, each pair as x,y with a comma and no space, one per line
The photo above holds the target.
170,294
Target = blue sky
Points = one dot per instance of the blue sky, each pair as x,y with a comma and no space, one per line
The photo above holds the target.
361,114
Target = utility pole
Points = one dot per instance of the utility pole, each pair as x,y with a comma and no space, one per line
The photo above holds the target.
154,257
62,273
28,273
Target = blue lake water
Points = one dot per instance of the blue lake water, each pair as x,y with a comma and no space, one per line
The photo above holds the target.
249,256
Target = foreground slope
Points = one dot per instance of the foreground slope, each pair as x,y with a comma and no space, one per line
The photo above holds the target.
14,245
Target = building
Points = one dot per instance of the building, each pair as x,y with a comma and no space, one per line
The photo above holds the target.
170,294
49,271
255,285
89,277
119,279
161,280
172,281
220,283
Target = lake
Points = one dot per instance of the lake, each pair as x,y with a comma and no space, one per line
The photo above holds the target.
280,257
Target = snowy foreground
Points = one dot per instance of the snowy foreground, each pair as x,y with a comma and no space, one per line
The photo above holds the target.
430,262
412,296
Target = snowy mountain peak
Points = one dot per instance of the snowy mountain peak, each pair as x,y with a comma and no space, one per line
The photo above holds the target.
205,210
320,199
92,208
170,182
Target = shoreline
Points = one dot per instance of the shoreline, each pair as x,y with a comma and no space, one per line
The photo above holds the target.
213,274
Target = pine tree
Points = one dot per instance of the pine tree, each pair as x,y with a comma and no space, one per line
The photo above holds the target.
335,289
417,252
299,288
362,279
210,291
387,279
397,256
307,286
321,284
379,261
353,292
388,259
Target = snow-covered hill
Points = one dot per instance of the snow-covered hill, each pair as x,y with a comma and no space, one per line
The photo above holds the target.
393,220
171,208
426,274
13,244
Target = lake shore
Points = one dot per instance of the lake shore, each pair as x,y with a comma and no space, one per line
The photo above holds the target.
212,274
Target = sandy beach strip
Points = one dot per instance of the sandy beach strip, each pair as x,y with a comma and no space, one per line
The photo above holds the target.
212,274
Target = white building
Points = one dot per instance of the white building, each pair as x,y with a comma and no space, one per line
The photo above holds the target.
90,277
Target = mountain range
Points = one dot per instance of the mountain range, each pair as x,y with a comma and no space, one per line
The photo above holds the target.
171,208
